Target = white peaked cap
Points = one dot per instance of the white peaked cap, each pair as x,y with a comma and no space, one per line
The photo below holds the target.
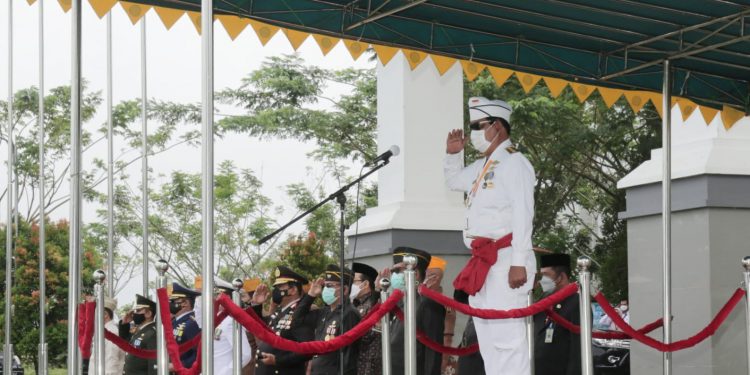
481,107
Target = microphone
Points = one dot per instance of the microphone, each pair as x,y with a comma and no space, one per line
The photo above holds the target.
393,151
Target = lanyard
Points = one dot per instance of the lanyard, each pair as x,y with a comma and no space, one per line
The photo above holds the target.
474,188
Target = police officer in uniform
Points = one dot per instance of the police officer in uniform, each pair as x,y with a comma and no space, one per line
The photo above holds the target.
364,297
143,336
498,226
334,289
286,321
185,328
430,316
557,351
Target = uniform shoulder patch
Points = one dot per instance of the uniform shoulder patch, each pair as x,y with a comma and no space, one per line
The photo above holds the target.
511,150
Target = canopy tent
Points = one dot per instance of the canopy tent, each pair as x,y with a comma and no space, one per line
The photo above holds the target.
615,47
644,50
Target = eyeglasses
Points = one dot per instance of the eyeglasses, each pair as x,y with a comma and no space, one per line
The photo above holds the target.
478,125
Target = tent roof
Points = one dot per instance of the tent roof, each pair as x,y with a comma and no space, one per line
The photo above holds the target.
618,44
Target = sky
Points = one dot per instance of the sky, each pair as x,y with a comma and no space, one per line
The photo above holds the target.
174,74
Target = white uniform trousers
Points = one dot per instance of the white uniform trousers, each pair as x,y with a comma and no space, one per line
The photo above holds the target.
502,342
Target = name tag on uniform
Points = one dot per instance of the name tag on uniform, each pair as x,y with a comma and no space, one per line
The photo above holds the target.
550,332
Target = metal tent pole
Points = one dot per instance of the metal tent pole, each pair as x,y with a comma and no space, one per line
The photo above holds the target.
8,348
74,246
746,277
42,357
666,130
144,156
110,167
207,179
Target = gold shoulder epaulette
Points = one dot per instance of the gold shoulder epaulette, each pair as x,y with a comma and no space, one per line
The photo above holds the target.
511,150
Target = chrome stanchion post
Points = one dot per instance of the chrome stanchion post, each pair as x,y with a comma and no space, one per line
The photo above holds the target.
584,294
410,316
162,359
746,265
236,332
99,277
530,330
385,328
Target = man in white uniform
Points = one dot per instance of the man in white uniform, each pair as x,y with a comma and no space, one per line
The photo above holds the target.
499,192
114,357
223,362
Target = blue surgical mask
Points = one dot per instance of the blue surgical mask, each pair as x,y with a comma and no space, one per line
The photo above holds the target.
329,295
398,281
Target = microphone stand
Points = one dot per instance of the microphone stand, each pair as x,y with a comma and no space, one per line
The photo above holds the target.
340,197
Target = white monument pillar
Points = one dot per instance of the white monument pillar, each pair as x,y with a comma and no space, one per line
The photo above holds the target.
416,110
710,221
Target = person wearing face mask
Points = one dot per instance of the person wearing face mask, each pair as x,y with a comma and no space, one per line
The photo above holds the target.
143,335
330,325
114,357
430,315
622,309
364,297
499,190
286,320
184,326
557,351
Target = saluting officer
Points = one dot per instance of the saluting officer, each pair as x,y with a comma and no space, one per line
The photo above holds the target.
223,344
557,351
143,335
185,328
334,289
286,321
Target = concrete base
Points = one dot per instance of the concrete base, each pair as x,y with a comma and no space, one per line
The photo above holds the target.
708,245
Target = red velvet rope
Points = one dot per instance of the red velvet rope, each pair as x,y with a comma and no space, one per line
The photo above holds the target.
706,332
261,331
151,354
172,347
534,309
564,323
436,346
86,313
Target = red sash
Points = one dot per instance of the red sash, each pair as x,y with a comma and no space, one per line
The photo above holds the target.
483,256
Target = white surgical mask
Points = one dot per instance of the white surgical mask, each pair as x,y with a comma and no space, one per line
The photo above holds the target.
355,292
547,284
479,141
624,308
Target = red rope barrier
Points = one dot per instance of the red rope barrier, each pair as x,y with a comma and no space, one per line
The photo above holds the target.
534,309
172,347
86,313
705,333
559,319
436,346
261,331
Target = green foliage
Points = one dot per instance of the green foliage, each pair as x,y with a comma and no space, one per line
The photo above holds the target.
25,293
278,96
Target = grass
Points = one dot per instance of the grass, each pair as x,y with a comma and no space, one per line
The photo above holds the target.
53,371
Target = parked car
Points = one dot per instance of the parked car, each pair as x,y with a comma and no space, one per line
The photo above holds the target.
611,357
17,367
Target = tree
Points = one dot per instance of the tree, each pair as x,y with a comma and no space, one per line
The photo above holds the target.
25,291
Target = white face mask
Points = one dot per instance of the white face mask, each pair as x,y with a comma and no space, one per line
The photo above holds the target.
624,308
355,292
547,284
479,141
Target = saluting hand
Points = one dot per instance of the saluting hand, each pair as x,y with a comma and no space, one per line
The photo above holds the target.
261,295
455,142
316,289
